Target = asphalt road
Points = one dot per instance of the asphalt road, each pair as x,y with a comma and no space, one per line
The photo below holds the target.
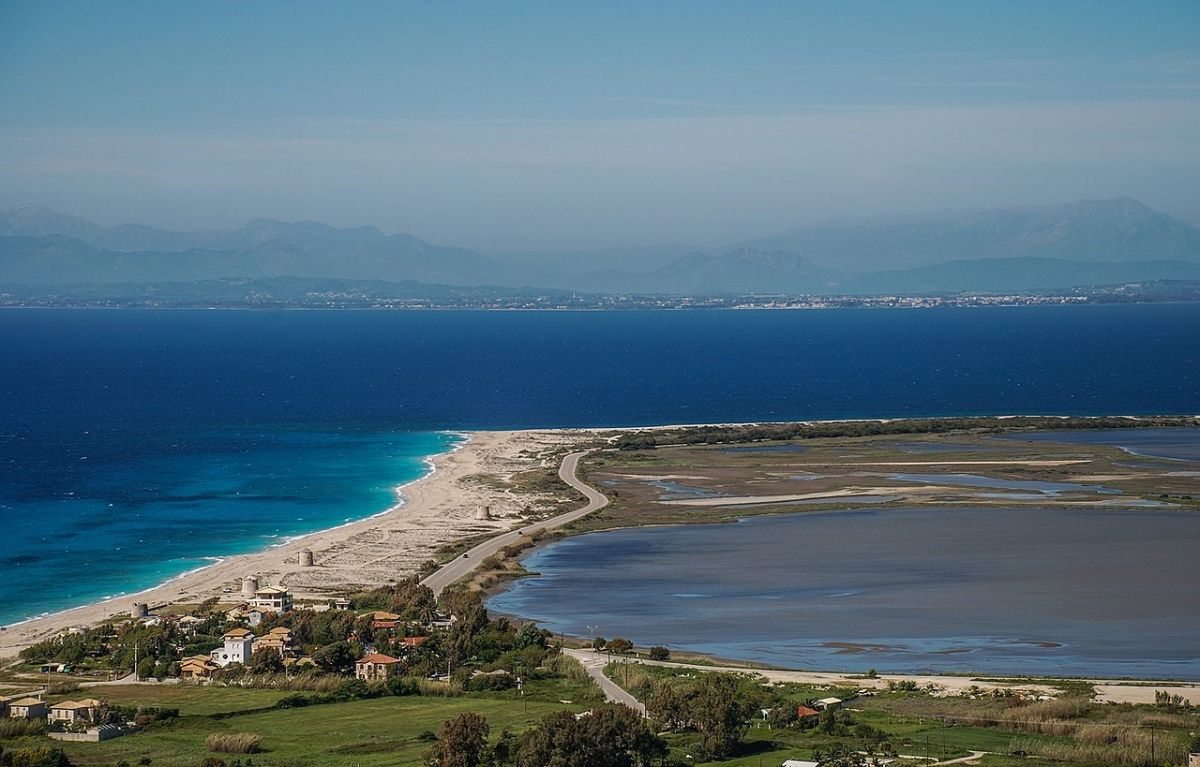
594,664
464,564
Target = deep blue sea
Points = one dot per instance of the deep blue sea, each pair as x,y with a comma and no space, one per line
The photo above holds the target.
133,443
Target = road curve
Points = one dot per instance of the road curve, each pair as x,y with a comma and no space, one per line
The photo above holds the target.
462,566
593,663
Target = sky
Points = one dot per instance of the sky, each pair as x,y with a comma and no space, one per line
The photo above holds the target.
577,126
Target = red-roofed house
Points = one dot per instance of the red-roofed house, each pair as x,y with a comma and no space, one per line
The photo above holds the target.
804,712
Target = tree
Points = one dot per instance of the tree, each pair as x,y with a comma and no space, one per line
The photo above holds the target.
658,652
609,736
619,645
598,643
530,636
668,706
720,713
839,755
266,660
337,658
462,742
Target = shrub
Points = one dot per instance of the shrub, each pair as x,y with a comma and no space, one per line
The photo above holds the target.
36,756
212,761
234,742
658,652
15,728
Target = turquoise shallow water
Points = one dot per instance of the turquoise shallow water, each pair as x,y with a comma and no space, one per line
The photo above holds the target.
117,524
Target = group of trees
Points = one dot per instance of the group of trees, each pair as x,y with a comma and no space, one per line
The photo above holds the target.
608,736
701,435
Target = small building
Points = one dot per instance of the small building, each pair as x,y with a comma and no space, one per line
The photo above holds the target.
272,599
383,620
804,712
412,642
72,711
825,703
1193,760
376,666
799,763
238,648
197,667
341,603
280,639
27,708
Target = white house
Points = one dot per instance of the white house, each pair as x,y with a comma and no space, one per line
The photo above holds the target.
272,599
238,648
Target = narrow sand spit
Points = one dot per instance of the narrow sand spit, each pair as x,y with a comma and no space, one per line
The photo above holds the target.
432,511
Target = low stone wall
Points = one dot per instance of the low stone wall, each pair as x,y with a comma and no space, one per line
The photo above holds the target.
94,735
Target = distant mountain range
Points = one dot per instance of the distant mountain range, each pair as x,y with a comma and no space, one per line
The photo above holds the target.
1093,242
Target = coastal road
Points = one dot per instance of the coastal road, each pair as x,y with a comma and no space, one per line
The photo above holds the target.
465,564
594,663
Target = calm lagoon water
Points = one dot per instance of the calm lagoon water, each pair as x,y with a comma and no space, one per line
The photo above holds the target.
135,443
1000,591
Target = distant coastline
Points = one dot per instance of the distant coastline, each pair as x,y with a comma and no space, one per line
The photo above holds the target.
332,294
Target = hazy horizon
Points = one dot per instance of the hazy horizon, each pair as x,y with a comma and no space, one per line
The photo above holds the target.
540,127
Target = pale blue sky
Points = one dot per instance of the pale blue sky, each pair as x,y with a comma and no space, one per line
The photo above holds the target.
571,125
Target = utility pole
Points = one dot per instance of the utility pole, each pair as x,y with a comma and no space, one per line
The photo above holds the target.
136,645
943,738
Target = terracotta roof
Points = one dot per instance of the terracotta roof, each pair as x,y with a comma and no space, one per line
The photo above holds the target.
270,590
805,711
77,704
25,702
414,641
280,630
383,615
377,658
238,632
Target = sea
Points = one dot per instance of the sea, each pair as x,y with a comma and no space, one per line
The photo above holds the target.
139,444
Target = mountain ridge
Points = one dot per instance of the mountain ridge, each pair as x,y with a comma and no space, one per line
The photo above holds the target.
981,250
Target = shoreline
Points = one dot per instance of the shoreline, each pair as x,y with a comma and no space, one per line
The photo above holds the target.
430,511
424,500
402,499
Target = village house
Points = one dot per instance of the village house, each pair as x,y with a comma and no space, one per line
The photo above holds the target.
27,708
238,648
72,711
188,624
804,712
376,666
825,703
280,639
411,643
272,599
197,667
383,620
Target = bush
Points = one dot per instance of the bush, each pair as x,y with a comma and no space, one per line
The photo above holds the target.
658,652
293,701
490,682
16,728
36,756
212,761
234,742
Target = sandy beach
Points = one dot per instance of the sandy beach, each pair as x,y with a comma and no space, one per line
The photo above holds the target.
437,509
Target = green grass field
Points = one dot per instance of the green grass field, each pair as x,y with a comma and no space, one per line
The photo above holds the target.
383,731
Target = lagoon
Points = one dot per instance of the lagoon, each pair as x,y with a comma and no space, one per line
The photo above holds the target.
1074,592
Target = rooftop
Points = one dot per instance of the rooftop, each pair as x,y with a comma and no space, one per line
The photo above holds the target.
378,658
